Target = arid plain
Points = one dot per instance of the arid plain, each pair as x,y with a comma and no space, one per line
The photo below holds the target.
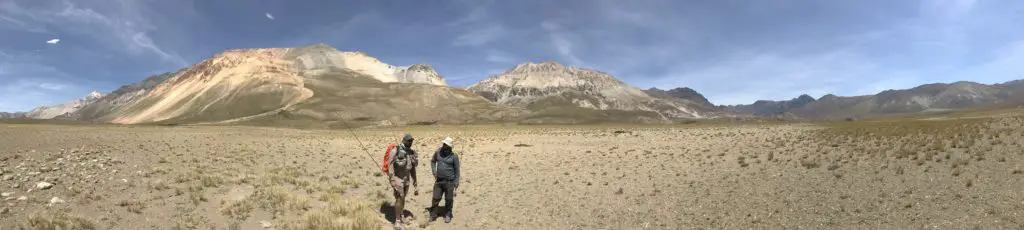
954,171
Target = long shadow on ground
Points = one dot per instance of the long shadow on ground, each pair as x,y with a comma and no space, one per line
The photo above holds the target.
389,211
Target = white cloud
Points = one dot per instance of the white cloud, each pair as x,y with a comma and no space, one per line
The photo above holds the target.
52,86
121,25
482,36
25,83
550,25
564,47
561,42
53,41
271,17
477,14
500,57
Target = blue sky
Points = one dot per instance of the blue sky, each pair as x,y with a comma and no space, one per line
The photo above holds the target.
732,51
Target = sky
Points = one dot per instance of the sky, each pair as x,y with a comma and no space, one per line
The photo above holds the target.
732,51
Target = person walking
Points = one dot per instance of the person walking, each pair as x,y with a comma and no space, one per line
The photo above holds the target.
402,169
446,167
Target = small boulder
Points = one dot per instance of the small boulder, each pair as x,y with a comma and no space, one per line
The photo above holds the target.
266,224
22,198
44,185
6,194
56,200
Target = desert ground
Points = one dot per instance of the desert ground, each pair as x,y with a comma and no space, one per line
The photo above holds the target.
947,172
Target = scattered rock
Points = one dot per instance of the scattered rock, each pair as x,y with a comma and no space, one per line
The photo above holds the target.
5,210
8,177
44,185
22,198
56,200
266,224
6,194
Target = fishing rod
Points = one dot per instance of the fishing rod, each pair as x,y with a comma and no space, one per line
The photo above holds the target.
361,146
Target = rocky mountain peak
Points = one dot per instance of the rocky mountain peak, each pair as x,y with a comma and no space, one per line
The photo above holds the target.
680,93
321,58
539,67
804,98
93,95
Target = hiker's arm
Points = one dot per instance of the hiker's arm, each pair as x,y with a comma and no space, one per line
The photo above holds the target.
415,181
458,169
433,163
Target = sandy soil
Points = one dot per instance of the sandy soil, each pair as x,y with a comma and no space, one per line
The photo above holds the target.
942,174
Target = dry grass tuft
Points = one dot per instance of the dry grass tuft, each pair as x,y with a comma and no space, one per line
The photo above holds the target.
341,214
132,206
59,221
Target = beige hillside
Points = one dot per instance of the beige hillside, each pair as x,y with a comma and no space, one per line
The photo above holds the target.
308,86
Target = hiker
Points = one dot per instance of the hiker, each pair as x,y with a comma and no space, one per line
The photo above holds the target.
446,169
402,168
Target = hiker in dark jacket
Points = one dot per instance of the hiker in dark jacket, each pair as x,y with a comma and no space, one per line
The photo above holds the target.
446,169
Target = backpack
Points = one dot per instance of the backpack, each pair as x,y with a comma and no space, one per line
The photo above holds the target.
387,156
401,158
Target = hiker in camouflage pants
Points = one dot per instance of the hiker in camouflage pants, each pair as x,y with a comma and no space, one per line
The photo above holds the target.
403,161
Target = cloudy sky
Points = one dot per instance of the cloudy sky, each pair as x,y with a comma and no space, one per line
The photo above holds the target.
733,51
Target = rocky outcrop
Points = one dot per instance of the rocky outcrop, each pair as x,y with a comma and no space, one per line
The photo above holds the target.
549,86
684,93
321,58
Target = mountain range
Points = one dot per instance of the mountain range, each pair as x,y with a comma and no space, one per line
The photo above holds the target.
934,97
320,86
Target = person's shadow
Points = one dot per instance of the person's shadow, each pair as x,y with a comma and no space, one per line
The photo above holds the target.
389,211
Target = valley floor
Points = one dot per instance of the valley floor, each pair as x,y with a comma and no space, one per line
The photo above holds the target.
945,174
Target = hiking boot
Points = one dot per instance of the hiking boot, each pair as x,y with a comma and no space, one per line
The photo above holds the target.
433,216
398,226
447,219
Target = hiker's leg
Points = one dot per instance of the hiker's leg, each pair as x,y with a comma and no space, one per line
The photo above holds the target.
399,199
449,198
436,199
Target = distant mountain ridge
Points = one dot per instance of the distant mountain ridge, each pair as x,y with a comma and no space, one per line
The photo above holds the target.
772,108
923,98
52,111
15,115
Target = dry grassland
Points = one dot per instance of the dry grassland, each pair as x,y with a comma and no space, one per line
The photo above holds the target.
951,173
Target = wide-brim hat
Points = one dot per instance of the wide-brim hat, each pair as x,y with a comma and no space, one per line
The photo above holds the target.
447,141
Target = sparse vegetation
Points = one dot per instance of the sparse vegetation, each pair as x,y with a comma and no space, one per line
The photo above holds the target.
57,221
228,177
